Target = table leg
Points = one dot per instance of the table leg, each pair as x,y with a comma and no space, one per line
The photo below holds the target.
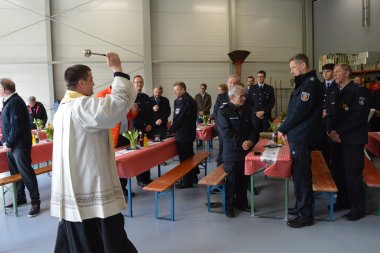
286,198
159,170
130,214
252,196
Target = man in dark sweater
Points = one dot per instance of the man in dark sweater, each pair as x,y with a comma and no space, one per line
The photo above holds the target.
17,141
36,110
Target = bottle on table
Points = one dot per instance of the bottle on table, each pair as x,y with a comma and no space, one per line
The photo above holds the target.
141,139
145,140
33,139
37,138
275,137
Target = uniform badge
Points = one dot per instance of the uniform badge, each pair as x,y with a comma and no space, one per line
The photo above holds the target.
361,100
305,96
177,110
345,107
311,78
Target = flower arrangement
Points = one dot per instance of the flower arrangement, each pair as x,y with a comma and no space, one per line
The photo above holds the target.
49,130
132,136
39,123
273,127
205,119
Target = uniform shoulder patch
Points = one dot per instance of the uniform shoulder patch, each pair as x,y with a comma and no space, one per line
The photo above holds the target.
223,105
305,96
361,100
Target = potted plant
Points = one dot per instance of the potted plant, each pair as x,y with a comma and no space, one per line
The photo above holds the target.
205,119
132,136
273,127
49,130
39,123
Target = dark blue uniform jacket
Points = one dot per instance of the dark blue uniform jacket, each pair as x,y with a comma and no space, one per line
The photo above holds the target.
349,114
163,113
303,120
145,112
235,126
184,118
15,123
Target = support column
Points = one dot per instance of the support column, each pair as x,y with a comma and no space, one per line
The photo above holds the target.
147,44
49,58
232,28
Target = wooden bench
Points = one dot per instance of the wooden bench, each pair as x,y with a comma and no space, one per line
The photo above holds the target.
13,179
215,182
322,180
371,177
165,183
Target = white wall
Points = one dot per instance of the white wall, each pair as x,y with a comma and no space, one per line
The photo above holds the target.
338,27
23,49
189,41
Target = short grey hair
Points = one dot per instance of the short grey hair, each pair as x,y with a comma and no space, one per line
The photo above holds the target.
233,76
234,90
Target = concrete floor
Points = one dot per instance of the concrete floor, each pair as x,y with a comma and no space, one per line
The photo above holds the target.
196,230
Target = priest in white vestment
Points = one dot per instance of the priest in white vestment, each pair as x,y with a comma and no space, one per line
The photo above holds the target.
86,195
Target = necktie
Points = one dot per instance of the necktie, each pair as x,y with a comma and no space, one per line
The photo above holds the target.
328,84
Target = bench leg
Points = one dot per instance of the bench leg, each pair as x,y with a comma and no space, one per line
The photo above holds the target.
208,199
159,170
224,198
172,204
3,194
156,197
220,188
209,149
331,211
204,165
130,213
14,197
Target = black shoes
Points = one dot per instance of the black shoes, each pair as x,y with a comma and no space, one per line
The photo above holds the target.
293,211
230,213
183,185
353,216
34,211
20,202
300,221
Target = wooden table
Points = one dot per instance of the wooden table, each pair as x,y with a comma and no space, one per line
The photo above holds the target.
277,166
132,163
129,164
206,133
373,143
42,152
